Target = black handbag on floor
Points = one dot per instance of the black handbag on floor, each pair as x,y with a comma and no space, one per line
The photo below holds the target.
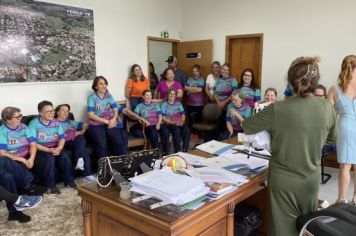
247,220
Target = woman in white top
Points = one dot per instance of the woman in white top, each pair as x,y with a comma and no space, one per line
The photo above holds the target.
211,79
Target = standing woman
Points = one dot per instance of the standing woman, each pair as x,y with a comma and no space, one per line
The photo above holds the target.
299,128
211,79
343,96
153,78
223,89
104,126
248,88
136,84
168,82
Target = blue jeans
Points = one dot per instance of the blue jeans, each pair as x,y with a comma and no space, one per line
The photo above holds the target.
152,135
177,132
65,165
78,148
102,136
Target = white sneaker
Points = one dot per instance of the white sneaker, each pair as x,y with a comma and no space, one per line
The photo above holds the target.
90,178
80,164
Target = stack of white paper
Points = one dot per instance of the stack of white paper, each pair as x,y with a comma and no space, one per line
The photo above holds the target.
169,187
217,175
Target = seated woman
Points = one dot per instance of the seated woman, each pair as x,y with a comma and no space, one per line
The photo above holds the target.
194,88
104,125
151,116
75,141
249,89
270,97
237,111
166,83
136,84
174,120
17,156
50,142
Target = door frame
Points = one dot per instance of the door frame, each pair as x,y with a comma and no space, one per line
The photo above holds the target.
152,38
228,48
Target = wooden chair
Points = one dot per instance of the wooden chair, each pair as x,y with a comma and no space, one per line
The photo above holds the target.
128,124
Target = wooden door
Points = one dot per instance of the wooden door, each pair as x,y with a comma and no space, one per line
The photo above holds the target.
195,52
245,51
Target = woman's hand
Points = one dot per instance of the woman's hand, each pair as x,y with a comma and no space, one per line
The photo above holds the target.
30,162
145,122
158,126
112,123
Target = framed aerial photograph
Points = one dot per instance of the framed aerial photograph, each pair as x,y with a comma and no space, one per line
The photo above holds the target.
45,42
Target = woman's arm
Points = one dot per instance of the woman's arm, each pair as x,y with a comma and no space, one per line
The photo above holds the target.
179,93
33,151
13,157
332,95
229,128
94,117
128,88
207,91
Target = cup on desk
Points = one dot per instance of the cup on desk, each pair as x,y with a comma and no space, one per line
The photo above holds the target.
125,190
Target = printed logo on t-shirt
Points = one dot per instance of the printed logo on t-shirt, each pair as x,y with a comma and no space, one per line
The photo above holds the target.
13,141
42,135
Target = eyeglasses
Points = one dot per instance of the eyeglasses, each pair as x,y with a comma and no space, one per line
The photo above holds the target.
17,117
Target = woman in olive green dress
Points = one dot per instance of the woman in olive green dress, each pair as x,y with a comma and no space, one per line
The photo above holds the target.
299,128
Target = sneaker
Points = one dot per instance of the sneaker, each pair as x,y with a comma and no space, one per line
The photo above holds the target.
54,191
27,202
80,164
19,216
71,185
34,190
90,178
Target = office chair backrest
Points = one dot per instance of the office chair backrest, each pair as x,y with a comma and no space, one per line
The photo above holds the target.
211,112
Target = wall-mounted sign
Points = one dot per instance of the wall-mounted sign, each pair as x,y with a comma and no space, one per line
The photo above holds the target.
193,55
165,34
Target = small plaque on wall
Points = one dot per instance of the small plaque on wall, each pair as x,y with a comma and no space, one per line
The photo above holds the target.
193,55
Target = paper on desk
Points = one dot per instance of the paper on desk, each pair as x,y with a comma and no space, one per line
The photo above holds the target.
217,175
214,147
169,187
254,163
193,159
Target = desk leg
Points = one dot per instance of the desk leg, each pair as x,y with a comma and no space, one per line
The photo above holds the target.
86,209
230,218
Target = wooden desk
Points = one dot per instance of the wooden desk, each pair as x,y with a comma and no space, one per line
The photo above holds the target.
105,213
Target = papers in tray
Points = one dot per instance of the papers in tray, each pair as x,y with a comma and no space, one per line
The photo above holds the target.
214,147
169,187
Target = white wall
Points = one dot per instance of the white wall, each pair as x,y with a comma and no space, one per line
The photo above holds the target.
121,30
291,29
